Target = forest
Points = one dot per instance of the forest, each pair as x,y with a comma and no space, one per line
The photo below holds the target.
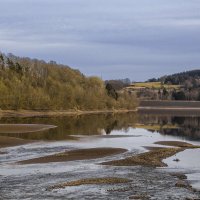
34,84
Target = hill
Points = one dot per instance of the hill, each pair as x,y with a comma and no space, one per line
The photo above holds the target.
179,86
188,81
37,85
182,78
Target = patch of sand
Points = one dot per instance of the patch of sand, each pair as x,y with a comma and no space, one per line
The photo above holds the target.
110,180
11,141
80,154
154,157
151,159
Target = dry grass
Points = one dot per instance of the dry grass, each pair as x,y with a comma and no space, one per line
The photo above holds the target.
107,180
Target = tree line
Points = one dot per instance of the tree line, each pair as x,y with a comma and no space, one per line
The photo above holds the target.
189,82
38,85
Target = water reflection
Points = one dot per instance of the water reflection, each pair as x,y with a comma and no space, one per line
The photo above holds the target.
187,127
75,125
104,124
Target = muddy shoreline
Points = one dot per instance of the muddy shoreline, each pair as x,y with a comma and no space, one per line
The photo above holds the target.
183,111
11,142
24,128
33,113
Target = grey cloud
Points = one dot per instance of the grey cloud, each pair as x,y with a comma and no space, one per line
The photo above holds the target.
114,38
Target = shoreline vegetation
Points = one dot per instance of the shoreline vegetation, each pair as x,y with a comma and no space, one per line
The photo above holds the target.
46,113
31,84
144,106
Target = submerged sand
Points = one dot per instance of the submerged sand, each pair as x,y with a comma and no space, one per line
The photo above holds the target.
24,128
11,141
174,143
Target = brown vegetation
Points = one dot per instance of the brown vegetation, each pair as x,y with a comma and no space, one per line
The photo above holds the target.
32,84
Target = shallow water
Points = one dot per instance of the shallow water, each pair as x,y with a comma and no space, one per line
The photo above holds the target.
122,131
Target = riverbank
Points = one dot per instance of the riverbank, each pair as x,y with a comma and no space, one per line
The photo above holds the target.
48,113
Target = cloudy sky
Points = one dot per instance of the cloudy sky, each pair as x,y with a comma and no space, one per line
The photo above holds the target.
138,39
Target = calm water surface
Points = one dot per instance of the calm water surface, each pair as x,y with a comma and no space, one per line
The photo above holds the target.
130,131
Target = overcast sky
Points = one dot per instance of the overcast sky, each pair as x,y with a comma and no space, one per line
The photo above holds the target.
138,39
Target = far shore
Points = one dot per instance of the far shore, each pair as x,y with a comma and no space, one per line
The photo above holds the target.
168,108
49,113
140,109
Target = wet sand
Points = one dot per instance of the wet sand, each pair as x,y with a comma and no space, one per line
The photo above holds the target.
154,157
175,144
106,180
150,159
24,128
11,141
80,154
3,152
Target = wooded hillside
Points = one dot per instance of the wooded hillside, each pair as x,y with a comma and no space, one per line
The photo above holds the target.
188,81
35,84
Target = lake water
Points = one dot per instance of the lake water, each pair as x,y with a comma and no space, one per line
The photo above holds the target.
130,131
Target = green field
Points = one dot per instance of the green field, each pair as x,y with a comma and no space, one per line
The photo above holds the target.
153,85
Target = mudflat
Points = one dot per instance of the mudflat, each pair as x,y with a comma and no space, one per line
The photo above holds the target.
79,154
175,143
11,141
151,159
154,157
